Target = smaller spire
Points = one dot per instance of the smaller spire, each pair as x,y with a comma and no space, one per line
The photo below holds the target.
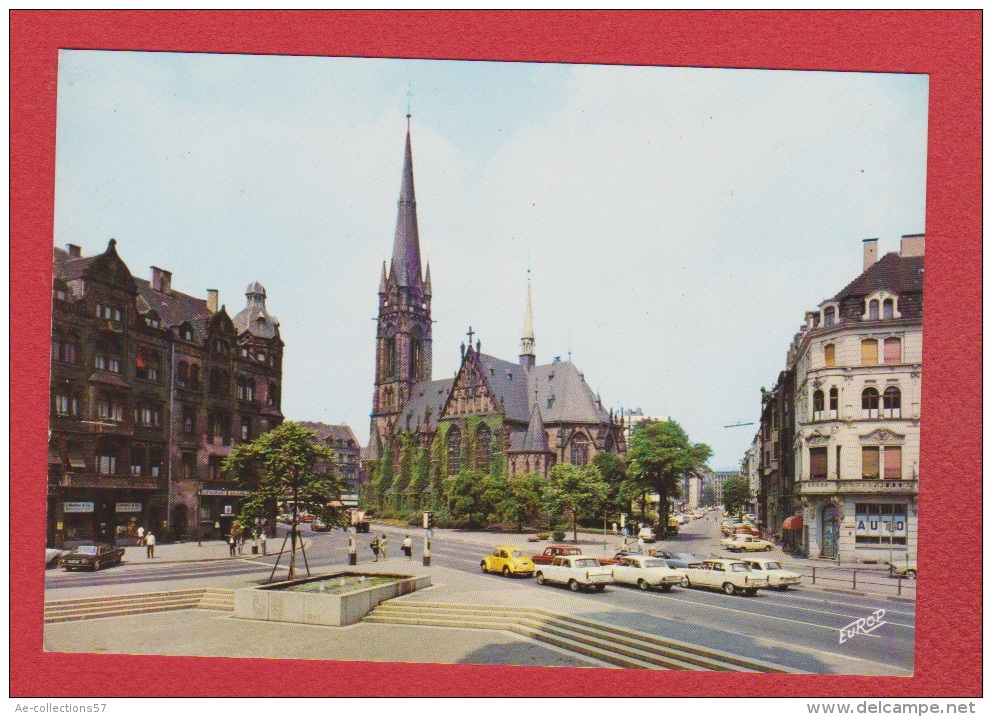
527,356
536,439
427,281
382,281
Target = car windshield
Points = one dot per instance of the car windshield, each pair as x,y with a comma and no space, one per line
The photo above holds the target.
773,566
655,564
86,550
585,563
740,568
517,554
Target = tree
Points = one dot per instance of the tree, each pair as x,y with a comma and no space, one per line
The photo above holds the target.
466,499
614,472
736,495
382,481
707,496
286,463
421,477
521,500
660,456
577,492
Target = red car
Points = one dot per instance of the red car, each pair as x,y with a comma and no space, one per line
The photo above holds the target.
553,551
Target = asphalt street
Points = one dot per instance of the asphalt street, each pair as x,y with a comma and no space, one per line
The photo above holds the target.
799,628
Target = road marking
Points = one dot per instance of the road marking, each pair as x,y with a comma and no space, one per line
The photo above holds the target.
796,596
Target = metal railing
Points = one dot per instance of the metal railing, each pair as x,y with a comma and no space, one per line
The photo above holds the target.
863,579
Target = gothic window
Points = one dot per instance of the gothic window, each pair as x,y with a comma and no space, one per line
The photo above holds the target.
392,366
893,350
579,450
817,405
417,362
891,403
869,403
834,400
454,446
830,355
483,448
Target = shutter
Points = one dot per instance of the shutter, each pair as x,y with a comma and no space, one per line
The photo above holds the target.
869,462
893,462
893,352
817,463
829,355
869,352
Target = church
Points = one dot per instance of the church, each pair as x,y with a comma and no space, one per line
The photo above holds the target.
494,415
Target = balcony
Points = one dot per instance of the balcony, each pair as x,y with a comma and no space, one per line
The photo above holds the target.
111,325
113,482
863,487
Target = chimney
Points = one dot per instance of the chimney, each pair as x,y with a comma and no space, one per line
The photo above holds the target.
161,280
212,299
74,251
912,245
871,252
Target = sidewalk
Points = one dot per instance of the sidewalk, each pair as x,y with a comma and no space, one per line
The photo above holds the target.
190,552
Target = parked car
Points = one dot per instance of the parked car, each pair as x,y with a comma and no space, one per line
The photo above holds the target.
905,569
319,526
747,543
731,576
646,572
509,560
682,560
652,552
576,571
92,556
553,551
647,534
778,578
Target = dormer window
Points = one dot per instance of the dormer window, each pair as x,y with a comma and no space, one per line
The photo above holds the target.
888,308
873,310
186,332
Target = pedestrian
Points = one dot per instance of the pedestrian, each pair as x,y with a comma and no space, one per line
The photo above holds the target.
382,546
408,547
261,540
375,548
141,536
614,528
241,544
254,544
640,545
231,545
150,544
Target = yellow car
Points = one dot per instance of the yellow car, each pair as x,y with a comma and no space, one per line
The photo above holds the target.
509,560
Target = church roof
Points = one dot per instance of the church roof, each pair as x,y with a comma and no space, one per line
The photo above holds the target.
405,268
427,399
535,440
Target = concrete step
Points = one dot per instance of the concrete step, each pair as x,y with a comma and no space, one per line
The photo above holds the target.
163,601
109,599
118,612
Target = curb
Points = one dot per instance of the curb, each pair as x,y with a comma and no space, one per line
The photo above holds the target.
250,556
858,593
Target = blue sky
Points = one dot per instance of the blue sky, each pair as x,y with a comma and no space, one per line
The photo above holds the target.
678,222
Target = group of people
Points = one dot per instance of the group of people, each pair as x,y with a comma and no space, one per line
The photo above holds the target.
379,547
237,544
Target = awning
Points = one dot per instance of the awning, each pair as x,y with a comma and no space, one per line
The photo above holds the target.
76,460
793,522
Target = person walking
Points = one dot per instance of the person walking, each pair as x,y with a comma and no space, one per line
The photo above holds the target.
640,545
615,529
231,545
408,547
261,540
150,544
375,548
241,544
382,546
141,535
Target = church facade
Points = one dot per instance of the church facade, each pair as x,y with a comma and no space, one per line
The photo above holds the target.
494,416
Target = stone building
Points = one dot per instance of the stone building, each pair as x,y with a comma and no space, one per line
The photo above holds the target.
775,498
493,414
858,362
150,388
716,479
347,456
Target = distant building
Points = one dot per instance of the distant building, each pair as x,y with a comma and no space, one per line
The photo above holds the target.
717,479
150,389
347,455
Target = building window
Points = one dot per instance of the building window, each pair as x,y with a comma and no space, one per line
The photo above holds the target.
213,427
834,400
579,450
888,308
246,389
274,394
829,355
225,429
214,468
873,310
869,462
829,316
818,463
391,366
880,524
146,365
65,351
869,352
219,382
838,463
109,408
892,403
483,448
106,464
454,445
869,403
818,405
893,350
189,421
155,462
245,428
194,376
186,331
189,466
104,311
892,462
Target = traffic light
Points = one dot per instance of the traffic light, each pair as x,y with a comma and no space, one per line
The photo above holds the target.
428,520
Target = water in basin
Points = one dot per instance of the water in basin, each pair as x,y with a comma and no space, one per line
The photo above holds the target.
337,584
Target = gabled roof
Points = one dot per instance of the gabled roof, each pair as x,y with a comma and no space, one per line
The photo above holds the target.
895,273
535,440
573,400
330,431
508,382
68,268
175,307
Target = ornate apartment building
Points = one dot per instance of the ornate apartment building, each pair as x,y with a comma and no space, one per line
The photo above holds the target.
851,491
150,388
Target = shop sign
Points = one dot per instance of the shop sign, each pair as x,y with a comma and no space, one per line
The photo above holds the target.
217,491
77,507
129,507
228,510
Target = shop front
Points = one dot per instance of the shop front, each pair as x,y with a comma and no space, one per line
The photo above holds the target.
217,511
103,516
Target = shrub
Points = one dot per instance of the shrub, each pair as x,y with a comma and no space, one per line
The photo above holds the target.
558,534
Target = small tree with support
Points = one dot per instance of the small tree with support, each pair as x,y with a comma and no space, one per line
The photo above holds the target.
286,464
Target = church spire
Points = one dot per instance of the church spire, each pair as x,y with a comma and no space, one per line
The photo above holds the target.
405,266
427,281
527,357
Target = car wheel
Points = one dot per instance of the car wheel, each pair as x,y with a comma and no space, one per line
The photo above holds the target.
483,566
768,547
911,574
685,582
506,571
96,565
783,588
729,588
540,578
666,588
642,584
574,586
751,592
600,588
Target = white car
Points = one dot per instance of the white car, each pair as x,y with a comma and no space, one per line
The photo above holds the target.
778,578
731,576
576,571
646,572
647,534
745,542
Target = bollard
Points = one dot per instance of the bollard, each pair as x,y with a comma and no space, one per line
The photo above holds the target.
352,558
854,580
899,585
814,575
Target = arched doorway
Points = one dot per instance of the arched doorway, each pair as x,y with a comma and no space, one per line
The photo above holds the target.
830,530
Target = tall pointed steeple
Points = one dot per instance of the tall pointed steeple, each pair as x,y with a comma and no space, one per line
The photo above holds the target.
405,267
527,356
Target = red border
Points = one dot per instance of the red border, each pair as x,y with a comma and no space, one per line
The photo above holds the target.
945,45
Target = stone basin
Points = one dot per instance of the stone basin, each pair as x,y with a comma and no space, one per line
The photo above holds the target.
340,599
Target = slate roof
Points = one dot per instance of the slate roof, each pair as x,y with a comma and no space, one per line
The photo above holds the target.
425,396
574,401
535,440
332,432
173,308
895,273
254,318
67,268
405,267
